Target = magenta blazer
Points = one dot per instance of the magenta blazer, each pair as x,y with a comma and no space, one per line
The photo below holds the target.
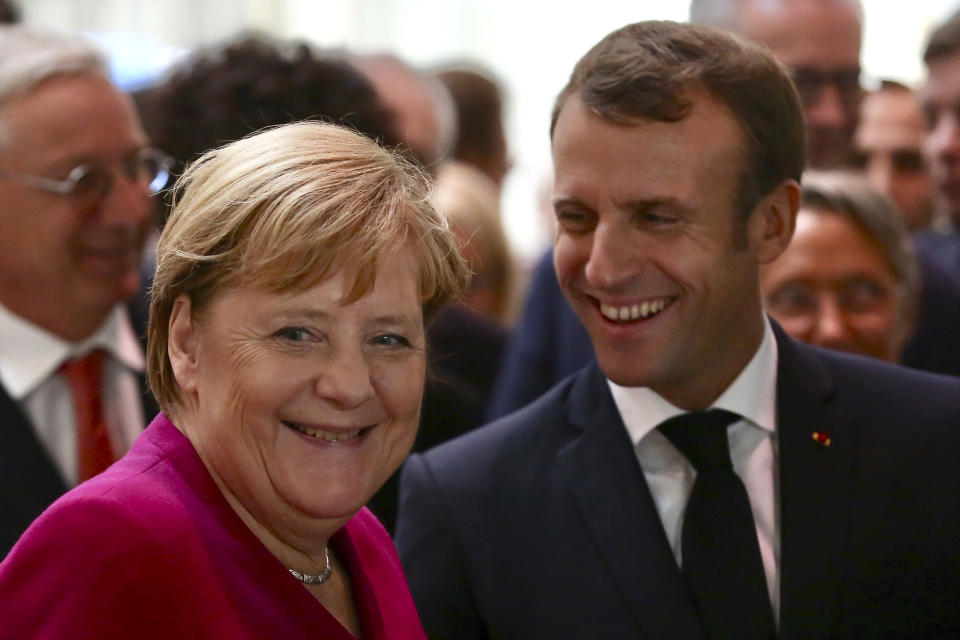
151,549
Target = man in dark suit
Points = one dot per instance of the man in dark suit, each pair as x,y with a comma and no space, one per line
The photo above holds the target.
76,176
828,492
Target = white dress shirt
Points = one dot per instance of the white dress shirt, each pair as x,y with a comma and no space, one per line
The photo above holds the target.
753,450
29,359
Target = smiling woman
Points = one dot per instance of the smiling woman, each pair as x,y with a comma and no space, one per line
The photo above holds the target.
287,351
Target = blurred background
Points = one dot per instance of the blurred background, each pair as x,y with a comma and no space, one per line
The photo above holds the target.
530,47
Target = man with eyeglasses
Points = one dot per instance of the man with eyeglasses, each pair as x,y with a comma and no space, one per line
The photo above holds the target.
819,41
76,178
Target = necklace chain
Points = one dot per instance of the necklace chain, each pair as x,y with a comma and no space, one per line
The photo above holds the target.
315,578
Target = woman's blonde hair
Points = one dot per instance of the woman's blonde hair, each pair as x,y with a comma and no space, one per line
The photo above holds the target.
283,209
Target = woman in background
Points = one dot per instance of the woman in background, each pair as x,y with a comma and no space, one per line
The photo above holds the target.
849,279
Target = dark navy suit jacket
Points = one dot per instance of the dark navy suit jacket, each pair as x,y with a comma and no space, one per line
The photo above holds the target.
541,524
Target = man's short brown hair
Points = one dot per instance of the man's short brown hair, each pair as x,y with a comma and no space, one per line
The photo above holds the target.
650,70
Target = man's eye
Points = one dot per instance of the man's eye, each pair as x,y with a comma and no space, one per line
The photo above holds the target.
89,179
655,217
574,219
293,334
908,161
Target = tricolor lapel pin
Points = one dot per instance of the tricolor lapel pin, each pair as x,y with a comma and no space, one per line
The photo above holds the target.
821,438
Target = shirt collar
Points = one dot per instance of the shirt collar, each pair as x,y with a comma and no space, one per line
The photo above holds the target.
752,395
30,354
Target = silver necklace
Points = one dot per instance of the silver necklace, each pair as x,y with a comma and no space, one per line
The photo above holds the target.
315,578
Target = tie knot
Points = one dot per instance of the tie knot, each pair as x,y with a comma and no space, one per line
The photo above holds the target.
701,436
84,368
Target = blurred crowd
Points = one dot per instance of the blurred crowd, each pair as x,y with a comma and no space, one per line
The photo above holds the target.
874,266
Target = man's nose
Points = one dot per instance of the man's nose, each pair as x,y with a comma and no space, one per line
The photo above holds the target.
879,172
614,257
828,109
944,138
127,202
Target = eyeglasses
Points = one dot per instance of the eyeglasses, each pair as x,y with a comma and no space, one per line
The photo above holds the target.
810,82
90,183
856,296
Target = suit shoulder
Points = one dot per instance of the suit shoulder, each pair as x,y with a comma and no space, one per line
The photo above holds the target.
891,391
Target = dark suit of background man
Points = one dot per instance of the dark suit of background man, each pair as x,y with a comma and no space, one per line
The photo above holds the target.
75,176
677,152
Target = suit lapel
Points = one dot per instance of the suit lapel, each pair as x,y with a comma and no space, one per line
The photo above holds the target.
601,470
815,492
29,481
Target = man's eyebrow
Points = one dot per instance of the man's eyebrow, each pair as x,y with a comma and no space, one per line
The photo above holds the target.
559,200
646,204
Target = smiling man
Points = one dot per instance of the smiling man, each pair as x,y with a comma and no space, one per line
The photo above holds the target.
709,477
76,175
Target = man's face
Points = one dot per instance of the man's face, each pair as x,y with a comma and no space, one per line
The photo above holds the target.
889,144
941,104
820,42
63,266
647,252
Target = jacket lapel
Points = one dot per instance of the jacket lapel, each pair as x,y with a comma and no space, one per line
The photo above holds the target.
29,481
602,471
816,474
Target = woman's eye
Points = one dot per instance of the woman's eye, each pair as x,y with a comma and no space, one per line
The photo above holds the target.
293,334
391,340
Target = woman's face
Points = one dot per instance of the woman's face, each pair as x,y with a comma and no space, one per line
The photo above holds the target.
832,287
300,404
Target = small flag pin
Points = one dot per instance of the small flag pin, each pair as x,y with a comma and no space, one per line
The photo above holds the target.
821,438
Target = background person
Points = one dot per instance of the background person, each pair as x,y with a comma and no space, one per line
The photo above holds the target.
940,96
889,149
849,279
287,350
819,41
76,178
481,141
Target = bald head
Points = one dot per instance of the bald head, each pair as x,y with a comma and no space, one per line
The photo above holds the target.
819,40
424,114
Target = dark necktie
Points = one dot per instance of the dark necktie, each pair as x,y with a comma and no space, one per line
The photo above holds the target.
85,377
721,555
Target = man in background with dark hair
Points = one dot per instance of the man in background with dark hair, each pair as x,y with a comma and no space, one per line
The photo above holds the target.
9,12
889,149
941,104
223,93
710,478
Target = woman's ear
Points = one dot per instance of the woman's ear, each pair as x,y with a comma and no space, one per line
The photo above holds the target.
774,220
182,344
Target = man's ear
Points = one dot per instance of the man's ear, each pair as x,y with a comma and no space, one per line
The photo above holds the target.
182,344
773,221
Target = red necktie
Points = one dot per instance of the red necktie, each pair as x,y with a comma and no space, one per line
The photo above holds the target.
85,377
